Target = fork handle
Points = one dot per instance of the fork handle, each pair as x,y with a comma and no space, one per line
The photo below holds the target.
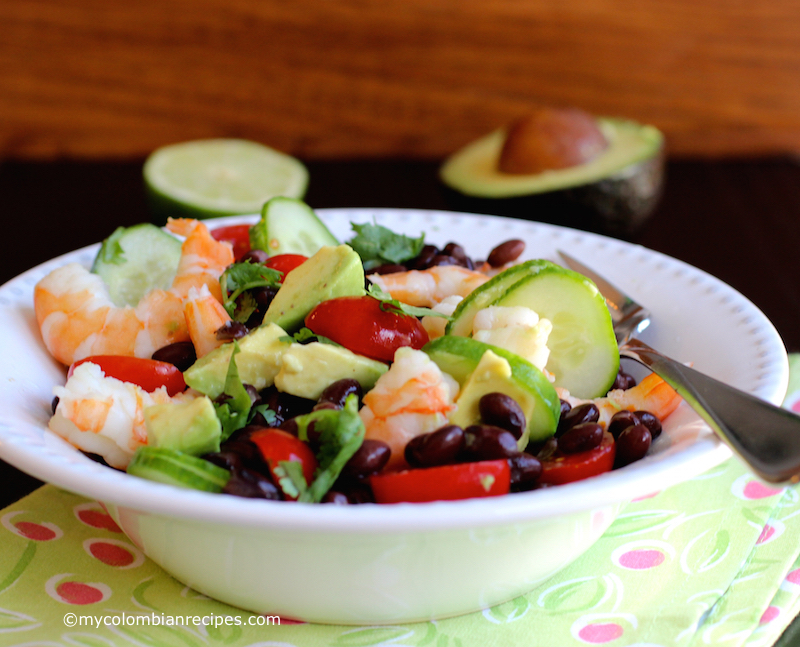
765,436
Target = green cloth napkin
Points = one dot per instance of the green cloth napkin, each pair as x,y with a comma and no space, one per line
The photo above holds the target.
712,561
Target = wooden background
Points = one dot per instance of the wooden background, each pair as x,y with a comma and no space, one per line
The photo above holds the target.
393,78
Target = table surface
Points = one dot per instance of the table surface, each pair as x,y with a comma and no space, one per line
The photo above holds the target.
737,220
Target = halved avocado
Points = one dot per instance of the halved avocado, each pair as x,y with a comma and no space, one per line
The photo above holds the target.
614,192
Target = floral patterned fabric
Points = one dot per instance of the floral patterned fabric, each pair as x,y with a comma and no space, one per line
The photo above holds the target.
712,561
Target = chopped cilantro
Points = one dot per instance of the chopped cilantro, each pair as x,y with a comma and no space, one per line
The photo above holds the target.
233,406
341,434
388,304
377,245
305,336
240,277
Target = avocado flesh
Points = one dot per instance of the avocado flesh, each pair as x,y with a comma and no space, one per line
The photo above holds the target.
613,193
308,369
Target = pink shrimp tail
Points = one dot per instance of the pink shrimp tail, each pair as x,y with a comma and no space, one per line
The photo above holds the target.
203,258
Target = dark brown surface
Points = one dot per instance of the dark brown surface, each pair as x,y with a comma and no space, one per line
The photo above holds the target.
738,220
95,79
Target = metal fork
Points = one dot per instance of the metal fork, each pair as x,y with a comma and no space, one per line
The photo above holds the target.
765,436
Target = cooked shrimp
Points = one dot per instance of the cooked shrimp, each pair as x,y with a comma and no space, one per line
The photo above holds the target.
103,415
435,326
652,394
203,258
413,397
77,317
204,316
429,287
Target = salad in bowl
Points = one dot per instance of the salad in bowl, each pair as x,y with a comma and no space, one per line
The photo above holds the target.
296,368
250,394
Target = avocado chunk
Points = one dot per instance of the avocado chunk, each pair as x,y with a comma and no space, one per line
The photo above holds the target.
613,192
491,375
307,369
460,357
190,427
331,272
258,361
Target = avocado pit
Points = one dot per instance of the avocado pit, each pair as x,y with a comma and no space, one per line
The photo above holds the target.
551,139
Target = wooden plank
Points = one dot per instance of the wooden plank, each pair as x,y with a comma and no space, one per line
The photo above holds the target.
403,78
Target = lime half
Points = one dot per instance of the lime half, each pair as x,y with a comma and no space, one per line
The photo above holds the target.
219,177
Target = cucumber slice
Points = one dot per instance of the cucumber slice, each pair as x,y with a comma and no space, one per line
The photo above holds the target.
134,260
459,356
178,469
584,356
486,294
290,226
219,177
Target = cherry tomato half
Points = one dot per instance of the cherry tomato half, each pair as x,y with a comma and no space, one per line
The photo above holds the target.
360,325
285,262
277,445
149,374
236,235
443,483
565,468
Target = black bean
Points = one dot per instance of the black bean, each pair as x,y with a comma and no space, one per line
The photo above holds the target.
423,259
320,406
247,451
252,485
290,427
440,447
388,268
486,442
264,295
54,404
457,252
231,330
180,354
356,490
227,460
632,445
620,421
245,432
443,259
587,412
565,408
370,458
337,498
502,411
525,468
255,256
506,252
651,421
623,381
338,391
581,438
285,405
548,449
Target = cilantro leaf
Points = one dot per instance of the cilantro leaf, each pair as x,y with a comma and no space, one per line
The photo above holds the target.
270,415
291,478
305,336
389,304
377,245
341,434
239,278
233,405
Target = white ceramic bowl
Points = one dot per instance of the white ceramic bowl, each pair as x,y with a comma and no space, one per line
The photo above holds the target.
401,563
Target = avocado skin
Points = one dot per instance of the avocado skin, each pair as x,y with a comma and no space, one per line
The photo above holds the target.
616,206
612,194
